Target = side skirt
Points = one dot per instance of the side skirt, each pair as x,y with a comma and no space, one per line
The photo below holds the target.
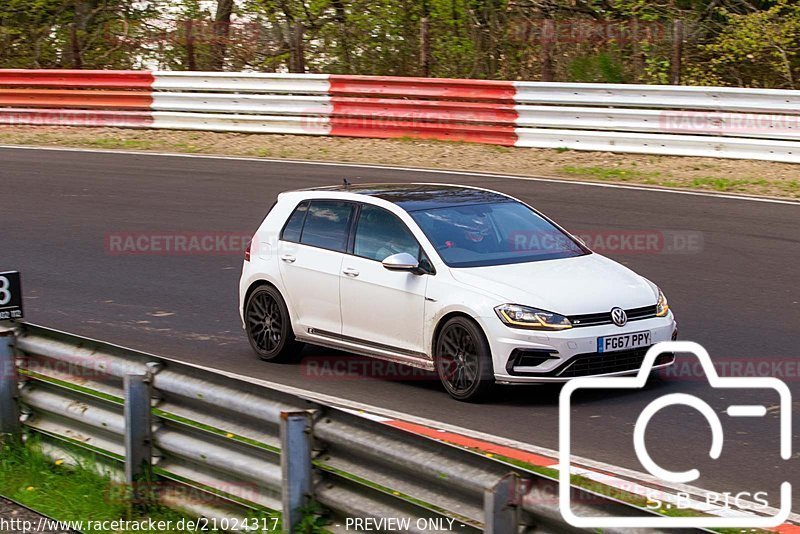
362,347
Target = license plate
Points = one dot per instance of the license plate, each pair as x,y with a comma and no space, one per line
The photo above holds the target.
623,341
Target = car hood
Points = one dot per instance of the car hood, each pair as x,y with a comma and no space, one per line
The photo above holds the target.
569,286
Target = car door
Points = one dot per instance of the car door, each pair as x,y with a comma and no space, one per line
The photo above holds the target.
310,252
380,306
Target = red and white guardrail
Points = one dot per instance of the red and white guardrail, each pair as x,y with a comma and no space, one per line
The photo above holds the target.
674,120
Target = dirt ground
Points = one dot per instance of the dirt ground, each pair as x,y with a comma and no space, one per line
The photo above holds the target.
708,174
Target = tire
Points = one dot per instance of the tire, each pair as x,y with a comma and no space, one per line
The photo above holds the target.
463,360
268,326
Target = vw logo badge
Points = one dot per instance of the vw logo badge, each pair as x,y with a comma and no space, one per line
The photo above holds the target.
619,316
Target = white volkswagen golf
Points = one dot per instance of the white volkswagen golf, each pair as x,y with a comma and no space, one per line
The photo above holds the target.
470,283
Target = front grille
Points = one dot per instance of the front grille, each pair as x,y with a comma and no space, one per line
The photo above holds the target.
593,319
641,313
600,363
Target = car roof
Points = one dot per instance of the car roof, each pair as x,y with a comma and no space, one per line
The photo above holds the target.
419,196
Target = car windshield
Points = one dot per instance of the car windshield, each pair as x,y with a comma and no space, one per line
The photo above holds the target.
496,233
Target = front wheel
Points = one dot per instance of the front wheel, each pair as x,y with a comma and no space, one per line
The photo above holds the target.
269,328
464,360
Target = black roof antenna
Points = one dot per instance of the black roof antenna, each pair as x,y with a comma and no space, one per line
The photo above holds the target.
346,183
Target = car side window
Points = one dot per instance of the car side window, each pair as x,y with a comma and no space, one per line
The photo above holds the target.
294,225
380,234
327,224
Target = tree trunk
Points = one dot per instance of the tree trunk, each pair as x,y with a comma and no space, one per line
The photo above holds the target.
489,29
75,47
297,62
344,34
424,47
78,27
636,50
191,60
677,53
222,29
548,49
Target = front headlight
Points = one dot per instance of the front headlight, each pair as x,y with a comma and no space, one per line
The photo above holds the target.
662,308
526,317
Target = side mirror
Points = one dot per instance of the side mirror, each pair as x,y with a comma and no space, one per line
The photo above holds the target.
401,262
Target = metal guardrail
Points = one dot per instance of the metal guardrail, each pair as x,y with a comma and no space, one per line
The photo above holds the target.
254,447
762,124
660,96
242,82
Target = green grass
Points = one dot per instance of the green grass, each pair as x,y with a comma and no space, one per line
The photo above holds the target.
713,183
66,494
126,144
188,148
80,493
615,174
725,184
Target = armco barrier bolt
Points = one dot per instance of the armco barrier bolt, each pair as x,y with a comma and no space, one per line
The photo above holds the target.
9,411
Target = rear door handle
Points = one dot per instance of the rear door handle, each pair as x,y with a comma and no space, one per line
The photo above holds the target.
349,271
288,258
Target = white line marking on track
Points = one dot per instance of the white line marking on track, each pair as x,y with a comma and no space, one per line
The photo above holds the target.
415,169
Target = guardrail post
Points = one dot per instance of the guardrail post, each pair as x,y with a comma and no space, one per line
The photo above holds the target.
501,506
9,411
295,466
138,438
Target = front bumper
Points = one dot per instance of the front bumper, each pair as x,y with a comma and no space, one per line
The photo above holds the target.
530,356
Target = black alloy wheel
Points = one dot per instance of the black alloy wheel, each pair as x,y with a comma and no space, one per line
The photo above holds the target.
268,326
463,360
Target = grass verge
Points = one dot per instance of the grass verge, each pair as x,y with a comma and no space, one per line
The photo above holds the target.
77,493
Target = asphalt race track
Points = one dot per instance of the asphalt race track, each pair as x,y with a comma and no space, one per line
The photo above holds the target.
738,295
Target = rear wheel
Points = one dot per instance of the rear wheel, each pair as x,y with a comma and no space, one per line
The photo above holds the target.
268,326
464,360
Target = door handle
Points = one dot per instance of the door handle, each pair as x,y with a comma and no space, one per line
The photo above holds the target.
349,271
288,258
